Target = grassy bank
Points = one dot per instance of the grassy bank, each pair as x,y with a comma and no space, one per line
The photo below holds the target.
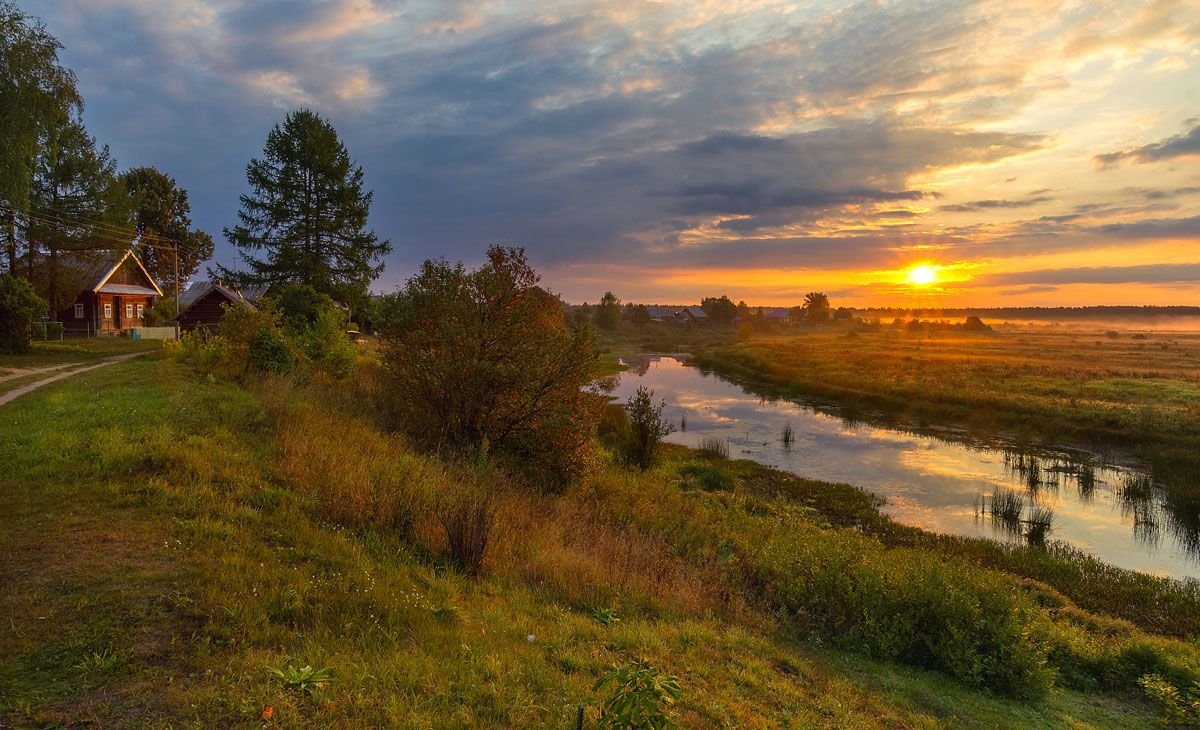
1135,392
158,566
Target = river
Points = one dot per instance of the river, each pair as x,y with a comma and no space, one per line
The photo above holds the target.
932,481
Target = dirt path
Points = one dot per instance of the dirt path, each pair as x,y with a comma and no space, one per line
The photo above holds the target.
17,392
14,373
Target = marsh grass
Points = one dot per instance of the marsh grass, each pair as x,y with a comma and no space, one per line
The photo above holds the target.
714,447
787,435
1006,507
1039,524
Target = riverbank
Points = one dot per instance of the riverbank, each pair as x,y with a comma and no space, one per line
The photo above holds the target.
1137,392
230,529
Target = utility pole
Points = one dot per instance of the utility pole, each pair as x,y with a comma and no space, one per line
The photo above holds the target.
176,249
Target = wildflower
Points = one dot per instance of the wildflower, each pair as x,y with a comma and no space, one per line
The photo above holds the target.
268,712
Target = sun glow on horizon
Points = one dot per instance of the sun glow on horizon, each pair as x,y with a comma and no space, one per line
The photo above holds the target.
922,275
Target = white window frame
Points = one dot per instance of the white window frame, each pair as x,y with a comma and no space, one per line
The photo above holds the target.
140,308
108,310
78,311
128,311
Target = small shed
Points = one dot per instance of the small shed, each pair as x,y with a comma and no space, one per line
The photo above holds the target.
205,301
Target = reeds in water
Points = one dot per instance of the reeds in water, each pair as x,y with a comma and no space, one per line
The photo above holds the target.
715,447
1006,507
787,435
1039,524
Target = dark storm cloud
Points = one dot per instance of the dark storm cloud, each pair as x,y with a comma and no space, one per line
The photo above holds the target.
1185,144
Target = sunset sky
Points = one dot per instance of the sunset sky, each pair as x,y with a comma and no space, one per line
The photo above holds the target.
1040,152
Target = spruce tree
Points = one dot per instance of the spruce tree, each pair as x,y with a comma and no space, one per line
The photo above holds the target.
304,220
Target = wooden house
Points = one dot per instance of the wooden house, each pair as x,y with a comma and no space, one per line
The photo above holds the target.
117,293
205,301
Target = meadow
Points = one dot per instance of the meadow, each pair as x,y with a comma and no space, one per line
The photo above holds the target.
1134,393
263,553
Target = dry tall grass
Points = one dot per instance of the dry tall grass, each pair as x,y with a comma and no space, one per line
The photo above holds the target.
577,549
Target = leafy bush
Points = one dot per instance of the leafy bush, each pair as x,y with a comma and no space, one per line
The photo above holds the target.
646,429
325,343
20,307
269,354
203,350
161,314
641,696
1179,707
908,605
484,361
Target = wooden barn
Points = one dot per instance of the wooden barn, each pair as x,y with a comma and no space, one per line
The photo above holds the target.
117,293
205,301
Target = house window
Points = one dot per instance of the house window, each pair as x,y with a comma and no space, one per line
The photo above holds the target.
141,308
128,311
108,310
78,311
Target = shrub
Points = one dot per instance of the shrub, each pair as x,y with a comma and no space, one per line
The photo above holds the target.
1179,707
203,350
254,340
269,354
646,429
20,307
641,696
467,515
909,606
326,344
484,360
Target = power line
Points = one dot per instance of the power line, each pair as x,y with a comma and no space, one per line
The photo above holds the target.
106,232
48,218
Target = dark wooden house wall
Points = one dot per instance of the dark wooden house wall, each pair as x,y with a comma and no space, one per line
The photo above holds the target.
205,311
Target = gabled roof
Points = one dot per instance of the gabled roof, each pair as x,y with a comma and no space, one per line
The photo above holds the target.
697,312
660,312
202,289
777,313
110,269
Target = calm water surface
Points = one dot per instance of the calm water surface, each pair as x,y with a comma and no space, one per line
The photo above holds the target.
935,483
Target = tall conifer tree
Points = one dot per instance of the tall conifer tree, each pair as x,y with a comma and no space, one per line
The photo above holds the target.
304,220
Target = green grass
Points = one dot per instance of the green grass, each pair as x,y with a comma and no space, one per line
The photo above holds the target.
167,548
76,350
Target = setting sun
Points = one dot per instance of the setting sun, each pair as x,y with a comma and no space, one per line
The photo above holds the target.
922,275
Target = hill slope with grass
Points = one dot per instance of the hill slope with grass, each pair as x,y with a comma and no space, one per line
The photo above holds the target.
180,549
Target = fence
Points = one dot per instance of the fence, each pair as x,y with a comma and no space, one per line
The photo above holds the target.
152,333
47,331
